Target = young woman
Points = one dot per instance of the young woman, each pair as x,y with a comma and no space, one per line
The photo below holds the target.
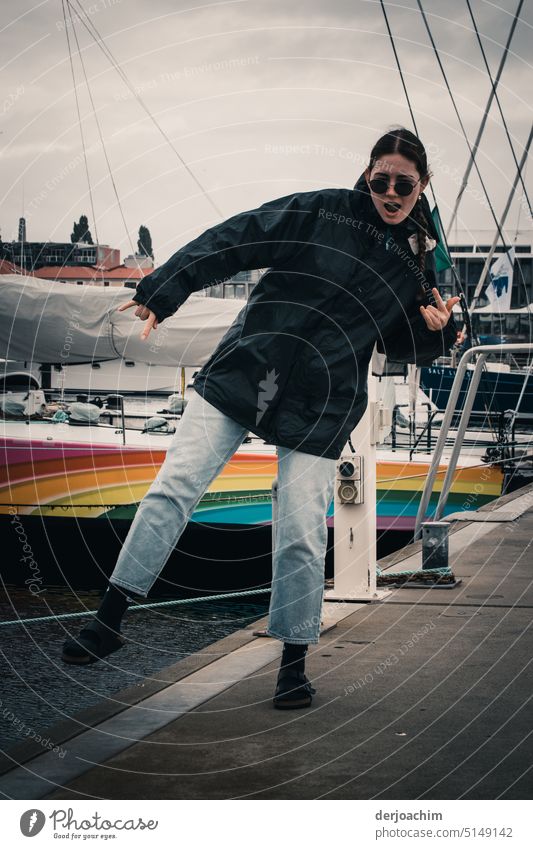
346,269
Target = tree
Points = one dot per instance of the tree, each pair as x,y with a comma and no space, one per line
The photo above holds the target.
144,243
81,232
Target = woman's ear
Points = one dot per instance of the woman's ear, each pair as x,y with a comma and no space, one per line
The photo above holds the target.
424,182
367,175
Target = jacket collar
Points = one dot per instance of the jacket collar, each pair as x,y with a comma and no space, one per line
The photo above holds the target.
364,208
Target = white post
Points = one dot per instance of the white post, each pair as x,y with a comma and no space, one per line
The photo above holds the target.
354,552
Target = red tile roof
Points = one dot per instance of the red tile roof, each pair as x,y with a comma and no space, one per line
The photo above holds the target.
7,267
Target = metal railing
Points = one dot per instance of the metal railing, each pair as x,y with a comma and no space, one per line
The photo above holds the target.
482,351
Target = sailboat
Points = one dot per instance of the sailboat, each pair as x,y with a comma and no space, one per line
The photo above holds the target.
73,474
61,477
502,390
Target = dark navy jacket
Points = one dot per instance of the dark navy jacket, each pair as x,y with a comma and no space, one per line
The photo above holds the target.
293,366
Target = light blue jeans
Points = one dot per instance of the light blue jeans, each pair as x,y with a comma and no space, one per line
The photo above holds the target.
205,440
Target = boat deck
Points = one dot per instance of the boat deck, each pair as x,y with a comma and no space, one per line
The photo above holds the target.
424,694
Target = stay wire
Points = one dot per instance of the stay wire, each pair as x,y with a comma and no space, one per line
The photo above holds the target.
91,28
460,121
80,122
498,102
458,283
102,142
481,128
511,145
398,65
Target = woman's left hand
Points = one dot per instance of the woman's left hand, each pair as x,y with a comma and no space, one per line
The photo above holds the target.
437,317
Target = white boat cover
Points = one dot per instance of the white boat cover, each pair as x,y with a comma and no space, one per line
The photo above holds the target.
45,321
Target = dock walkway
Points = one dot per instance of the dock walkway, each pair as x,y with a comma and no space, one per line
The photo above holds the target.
423,695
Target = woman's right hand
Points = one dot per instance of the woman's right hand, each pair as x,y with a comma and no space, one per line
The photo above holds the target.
144,314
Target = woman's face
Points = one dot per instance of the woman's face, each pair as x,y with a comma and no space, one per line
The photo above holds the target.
391,206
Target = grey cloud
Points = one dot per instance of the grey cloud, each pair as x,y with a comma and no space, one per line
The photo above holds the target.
324,82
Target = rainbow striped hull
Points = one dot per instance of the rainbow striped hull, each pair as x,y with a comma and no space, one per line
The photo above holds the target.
54,477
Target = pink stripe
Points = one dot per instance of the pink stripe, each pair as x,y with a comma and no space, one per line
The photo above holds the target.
34,452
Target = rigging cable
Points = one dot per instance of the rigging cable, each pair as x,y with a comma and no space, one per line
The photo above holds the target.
460,120
517,230
463,300
458,282
498,226
505,245
511,145
100,135
80,122
496,97
90,27
492,95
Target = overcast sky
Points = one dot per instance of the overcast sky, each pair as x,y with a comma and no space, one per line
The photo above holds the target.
260,98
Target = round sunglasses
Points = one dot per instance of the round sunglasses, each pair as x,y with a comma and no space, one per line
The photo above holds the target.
402,187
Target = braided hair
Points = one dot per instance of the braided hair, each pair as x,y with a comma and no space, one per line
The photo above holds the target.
403,141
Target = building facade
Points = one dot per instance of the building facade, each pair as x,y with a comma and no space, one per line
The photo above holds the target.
237,287
469,254
32,256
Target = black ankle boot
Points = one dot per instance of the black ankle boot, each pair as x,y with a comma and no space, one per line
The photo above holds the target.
294,656
293,689
101,636
113,607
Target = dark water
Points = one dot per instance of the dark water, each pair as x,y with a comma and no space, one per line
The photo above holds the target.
37,689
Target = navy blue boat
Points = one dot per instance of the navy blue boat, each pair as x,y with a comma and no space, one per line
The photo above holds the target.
498,390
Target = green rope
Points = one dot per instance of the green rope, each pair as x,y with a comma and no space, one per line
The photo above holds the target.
35,619
438,571
436,574
444,570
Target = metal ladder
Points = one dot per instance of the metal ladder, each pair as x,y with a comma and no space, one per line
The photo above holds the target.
482,351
